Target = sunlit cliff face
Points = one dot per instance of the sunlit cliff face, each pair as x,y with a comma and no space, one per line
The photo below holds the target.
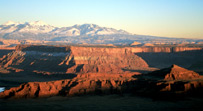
72,59
95,83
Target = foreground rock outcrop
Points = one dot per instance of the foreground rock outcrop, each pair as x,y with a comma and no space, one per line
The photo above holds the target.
175,80
93,83
82,84
175,73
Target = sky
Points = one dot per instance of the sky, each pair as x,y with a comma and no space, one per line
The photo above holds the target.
165,18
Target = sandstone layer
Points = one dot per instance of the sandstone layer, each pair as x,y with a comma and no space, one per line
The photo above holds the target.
175,73
174,80
82,84
72,59
95,83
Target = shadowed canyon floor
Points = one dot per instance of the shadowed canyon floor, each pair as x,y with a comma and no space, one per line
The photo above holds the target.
70,73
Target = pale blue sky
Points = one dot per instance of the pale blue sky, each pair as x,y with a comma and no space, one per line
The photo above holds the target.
169,18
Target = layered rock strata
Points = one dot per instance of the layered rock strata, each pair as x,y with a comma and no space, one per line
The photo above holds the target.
72,59
96,83
82,84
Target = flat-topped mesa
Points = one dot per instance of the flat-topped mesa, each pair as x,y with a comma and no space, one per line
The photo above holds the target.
72,59
135,43
181,49
141,49
77,59
158,49
112,60
42,48
175,73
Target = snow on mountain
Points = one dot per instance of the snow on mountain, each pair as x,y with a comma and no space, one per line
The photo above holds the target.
79,34
10,23
37,23
66,31
87,29
8,28
39,27
27,27
36,27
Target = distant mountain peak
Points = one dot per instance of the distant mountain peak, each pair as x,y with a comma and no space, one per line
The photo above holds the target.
37,23
81,34
39,30
34,23
10,23
90,25
85,26
38,27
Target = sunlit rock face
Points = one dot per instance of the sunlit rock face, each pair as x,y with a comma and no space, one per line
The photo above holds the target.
174,80
152,84
75,59
80,85
105,59
72,59
156,49
175,73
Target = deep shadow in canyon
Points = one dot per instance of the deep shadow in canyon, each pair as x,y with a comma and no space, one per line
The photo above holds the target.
162,59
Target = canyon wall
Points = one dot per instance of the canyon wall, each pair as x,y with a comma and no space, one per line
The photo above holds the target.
71,59
156,49
106,49
106,59
77,59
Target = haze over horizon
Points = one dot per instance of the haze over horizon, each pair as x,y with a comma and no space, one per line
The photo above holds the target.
166,18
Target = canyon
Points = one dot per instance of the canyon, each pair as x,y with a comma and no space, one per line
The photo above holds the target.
80,70
72,59
98,59
146,77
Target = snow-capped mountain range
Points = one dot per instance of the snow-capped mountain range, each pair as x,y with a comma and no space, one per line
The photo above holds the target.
78,34
39,27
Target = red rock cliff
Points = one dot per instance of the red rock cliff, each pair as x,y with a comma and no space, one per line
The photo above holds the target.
83,84
105,59
72,59
156,49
